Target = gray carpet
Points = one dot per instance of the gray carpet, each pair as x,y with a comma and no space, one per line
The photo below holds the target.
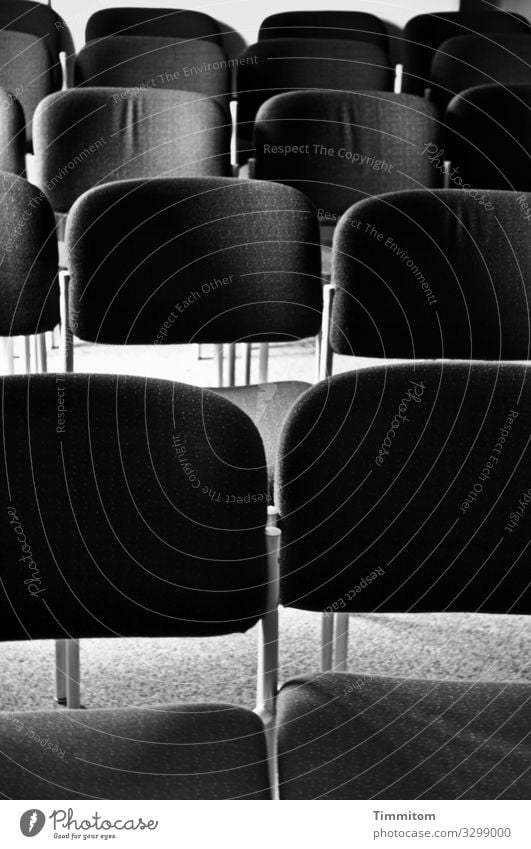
145,672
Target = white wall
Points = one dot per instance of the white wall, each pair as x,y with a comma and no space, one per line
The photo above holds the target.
246,15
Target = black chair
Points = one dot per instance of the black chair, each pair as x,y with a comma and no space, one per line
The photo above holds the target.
339,148
424,34
170,23
154,62
197,751
348,26
488,136
26,72
421,274
396,487
29,289
89,136
118,539
277,65
198,260
42,22
469,61
12,135
201,260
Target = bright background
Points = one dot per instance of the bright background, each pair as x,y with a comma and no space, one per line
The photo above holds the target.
246,15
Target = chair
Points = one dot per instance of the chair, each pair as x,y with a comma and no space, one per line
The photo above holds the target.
467,61
12,135
488,136
42,22
198,260
205,751
424,34
421,274
339,147
229,261
169,23
356,736
26,72
29,289
111,519
153,62
396,487
353,26
277,65
85,137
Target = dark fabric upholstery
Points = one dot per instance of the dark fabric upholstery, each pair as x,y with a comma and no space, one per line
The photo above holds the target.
156,63
344,736
203,751
489,136
287,64
29,290
85,137
354,26
424,34
377,470
26,71
12,134
170,23
268,405
43,22
134,497
433,274
346,146
194,260
469,61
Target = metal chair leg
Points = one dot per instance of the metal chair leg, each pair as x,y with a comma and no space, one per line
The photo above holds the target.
231,357
218,354
327,642
247,359
263,364
73,700
41,360
27,354
60,672
341,621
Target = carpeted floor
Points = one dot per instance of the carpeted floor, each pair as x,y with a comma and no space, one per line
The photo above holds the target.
145,672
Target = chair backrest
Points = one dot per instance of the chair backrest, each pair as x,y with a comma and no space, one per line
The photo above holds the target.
43,22
468,61
339,148
12,134
346,25
29,290
489,136
153,62
132,507
194,260
27,71
170,23
423,35
89,136
441,273
277,65
406,488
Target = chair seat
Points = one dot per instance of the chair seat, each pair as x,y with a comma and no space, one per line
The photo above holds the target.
268,405
346,736
202,751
